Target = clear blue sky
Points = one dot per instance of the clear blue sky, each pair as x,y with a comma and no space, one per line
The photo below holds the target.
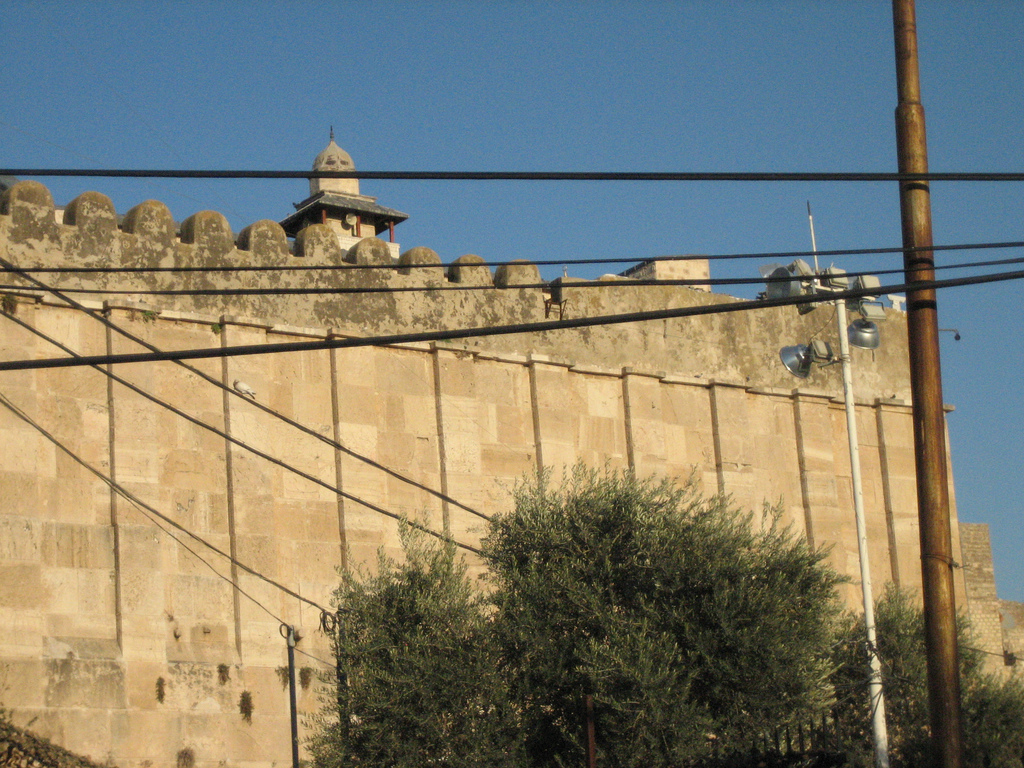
574,86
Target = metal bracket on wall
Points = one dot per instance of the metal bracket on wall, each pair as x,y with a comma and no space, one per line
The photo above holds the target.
549,304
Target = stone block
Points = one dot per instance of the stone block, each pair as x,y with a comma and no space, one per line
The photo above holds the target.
419,256
84,683
22,585
319,244
211,235
154,229
517,272
96,237
30,206
266,243
470,269
370,250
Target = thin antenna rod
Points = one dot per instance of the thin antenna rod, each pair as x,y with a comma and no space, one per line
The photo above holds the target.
814,245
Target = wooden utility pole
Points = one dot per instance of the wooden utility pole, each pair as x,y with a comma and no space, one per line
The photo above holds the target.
929,417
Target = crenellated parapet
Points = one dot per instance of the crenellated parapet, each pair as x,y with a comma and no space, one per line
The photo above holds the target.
89,233
363,289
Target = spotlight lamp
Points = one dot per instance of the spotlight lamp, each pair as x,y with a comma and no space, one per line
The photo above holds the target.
871,310
788,282
836,279
864,334
868,283
797,360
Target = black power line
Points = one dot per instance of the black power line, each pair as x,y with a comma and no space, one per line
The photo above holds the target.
763,256
141,505
498,330
519,175
245,446
562,283
266,409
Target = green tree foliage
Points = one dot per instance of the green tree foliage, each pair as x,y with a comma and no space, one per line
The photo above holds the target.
423,685
693,627
687,623
993,707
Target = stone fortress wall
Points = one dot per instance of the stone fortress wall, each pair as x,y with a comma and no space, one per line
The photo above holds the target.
121,644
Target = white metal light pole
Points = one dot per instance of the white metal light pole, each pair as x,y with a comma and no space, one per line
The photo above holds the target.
879,734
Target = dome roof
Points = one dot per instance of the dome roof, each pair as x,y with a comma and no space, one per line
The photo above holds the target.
333,158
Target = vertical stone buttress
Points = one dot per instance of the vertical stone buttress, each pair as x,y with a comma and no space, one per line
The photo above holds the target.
230,492
339,479
442,451
716,435
887,494
534,410
114,511
627,413
814,455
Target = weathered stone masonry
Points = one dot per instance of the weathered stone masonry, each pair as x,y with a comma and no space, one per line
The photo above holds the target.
120,644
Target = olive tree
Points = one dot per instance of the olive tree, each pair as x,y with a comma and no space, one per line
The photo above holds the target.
691,624
993,706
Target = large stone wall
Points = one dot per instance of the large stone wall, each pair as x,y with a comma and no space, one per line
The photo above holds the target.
983,605
121,644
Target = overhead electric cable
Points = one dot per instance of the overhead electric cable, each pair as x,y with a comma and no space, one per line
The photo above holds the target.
331,664
498,330
563,283
136,501
763,256
245,446
221,385
122,173
204,561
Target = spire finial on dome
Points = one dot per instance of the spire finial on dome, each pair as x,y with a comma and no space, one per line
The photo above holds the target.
332,133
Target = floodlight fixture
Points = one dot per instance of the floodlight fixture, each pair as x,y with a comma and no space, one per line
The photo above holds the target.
801,268
868,283
864,334
871,310
797,360
821,351
789,282
836,278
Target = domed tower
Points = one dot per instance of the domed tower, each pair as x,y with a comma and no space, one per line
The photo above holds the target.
337,203
333,158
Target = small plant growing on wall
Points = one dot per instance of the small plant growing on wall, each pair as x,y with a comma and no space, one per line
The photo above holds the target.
186,758
148,316
9,304
216,328
161,689
282,675
245,706
223,674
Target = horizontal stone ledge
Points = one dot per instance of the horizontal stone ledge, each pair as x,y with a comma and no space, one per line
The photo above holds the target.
504,357
188,317
534,358
297,330
630,371
727,383
248,322
774,391
127,305
692,381
596,370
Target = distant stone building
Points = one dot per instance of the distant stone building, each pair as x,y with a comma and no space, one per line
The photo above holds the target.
156,530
